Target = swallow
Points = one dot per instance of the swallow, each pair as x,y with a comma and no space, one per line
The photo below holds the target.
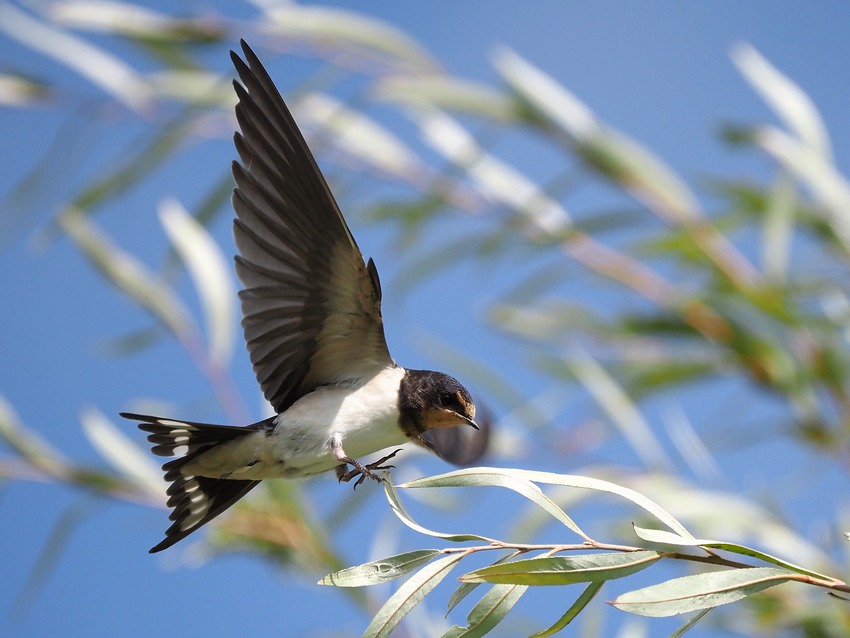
311,310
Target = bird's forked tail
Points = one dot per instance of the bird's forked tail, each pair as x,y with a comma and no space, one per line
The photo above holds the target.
194,500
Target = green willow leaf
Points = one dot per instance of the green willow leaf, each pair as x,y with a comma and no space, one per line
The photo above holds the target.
501,477
28,445
542,217
17,90
448,94
400,511
784,96
129,459
610,153
700,591
488,612
379,571
661,536
690,623
109,72
355,134
210,273
54,549
343,30
575,609
620,408
564,570
467,588
408,596
128,274
492,477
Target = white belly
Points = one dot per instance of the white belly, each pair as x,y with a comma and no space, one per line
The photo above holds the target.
364,419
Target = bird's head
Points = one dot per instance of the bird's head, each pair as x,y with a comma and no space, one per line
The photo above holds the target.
433,400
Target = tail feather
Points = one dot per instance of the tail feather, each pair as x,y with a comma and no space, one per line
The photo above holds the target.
212,497
194,500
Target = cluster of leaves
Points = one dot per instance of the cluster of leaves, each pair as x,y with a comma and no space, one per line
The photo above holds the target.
774,325
512,574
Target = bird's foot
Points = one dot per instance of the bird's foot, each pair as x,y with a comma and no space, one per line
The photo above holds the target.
363,471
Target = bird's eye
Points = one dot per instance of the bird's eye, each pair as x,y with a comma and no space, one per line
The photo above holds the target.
450,401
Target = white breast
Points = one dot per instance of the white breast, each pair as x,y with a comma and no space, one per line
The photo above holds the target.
364,418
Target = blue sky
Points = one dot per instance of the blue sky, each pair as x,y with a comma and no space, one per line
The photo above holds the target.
658,71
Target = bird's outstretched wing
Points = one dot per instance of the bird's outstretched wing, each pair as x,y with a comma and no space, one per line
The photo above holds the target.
311,307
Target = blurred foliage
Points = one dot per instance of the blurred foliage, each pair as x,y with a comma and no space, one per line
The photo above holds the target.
751,295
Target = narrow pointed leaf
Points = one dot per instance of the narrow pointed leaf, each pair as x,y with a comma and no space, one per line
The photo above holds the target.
488,612
29,445
784,96
138,159
130,20
546,97
400,511
380,571
361,137
447,94
575,609
610,153
489,477
615,401
339,28
210,273
408,596
459,594
828,186
19,91
120,452
499,182
779,229
690,623
126,272
194,86
54,548
700,591
643,174
661,536
467,588
97,65
564,570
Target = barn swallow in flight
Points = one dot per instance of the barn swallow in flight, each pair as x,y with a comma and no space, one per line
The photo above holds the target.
311,313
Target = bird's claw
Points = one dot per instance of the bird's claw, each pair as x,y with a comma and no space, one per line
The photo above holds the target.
364,471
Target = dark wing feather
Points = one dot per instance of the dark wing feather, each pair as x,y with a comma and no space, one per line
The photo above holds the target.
311,307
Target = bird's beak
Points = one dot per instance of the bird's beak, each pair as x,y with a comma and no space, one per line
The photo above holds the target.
470,422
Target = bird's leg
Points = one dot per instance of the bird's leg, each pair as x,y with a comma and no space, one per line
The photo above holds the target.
358,469
361,470
344,475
